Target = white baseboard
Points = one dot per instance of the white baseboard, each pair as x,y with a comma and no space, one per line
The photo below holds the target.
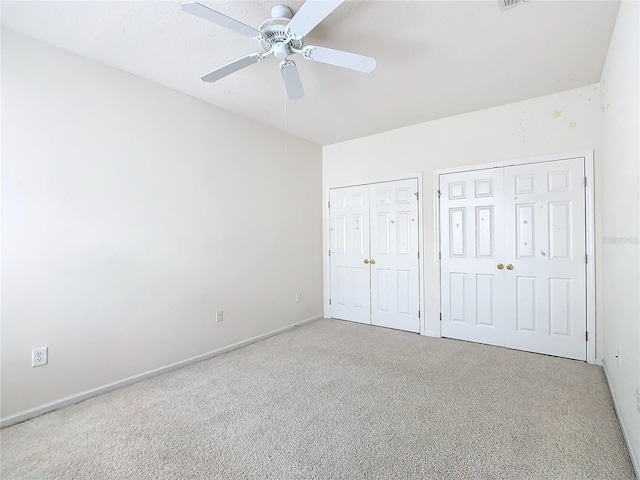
87,394
634,459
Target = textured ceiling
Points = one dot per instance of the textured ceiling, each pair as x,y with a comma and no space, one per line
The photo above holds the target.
435,59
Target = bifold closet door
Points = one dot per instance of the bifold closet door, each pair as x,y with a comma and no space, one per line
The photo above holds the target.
545,243
394,249
513,267
375,254
349,242
472,277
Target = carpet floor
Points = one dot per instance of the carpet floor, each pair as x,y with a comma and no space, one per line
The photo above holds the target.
335,399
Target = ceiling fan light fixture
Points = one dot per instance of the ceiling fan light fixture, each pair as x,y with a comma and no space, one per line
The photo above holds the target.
280,50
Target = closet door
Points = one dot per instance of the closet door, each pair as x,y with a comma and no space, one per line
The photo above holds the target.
513,267
472,251
349,243
395,299
545,244
374,254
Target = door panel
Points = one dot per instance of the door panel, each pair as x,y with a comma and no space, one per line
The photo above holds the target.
471,213
526,303
349,242
394,249
484,294
545,241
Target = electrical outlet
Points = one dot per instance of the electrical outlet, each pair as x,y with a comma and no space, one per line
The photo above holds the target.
39,356
298,296
219,316
618,358
638,398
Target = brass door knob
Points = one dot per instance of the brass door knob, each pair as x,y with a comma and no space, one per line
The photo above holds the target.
366,260
509,267
373,262
500,266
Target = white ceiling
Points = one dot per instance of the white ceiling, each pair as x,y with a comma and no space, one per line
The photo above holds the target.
435,58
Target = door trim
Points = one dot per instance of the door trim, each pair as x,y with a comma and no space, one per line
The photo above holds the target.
590,276
326,240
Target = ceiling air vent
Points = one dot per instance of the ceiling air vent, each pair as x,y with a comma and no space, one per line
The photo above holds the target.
506,4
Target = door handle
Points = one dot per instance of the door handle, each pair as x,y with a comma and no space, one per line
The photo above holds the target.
366,260
373,262
509,267
500,266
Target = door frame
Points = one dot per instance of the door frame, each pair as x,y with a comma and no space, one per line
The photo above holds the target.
326,239
587,156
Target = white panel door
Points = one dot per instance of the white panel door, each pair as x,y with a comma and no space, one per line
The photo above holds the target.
513,247
349,243
374,254
471,215
545,244
394,255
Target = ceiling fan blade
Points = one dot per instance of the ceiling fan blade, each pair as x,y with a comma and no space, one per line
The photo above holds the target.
341,59
311,14
291,79
229,68
206,13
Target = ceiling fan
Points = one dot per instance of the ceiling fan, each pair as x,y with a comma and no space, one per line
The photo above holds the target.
283,35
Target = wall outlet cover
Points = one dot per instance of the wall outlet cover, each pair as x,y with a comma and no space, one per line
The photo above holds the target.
39,356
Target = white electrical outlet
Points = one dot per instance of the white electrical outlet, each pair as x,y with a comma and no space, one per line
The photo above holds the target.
219,317
638,398
298,296
39,356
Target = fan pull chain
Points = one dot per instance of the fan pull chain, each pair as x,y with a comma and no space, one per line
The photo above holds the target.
285,120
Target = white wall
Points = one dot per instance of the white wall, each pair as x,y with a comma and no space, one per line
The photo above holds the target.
513,131
621,222
130,214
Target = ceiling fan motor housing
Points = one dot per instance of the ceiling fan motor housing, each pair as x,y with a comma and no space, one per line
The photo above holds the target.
281,11
274,32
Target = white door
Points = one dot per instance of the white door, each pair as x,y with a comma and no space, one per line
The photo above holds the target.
374,254
349,241
545,244
513,257
472,247
394,255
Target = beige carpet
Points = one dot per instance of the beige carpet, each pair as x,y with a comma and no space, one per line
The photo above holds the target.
336,399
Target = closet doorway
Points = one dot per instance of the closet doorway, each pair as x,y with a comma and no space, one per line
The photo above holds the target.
374,254
513,248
